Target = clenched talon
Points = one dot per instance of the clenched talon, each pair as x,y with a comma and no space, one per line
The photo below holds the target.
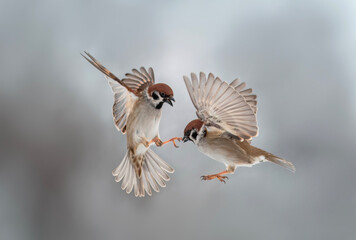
159,143
221,178
145,142
210,177
178,139
173,141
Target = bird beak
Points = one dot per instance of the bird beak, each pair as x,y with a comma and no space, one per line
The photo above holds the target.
185,139
169,101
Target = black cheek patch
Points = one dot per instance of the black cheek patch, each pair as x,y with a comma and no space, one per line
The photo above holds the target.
154,96
194,135
159,106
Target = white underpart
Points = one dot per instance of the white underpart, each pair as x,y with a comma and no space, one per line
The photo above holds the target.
261,158
145,121
143,125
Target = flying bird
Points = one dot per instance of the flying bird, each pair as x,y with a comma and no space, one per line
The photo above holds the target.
137,110
226,124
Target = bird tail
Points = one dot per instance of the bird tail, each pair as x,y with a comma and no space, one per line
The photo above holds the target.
281,162
264,156
154,173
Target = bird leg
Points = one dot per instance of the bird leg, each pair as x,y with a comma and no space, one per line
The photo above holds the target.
173,141
145,142
218,176
159,142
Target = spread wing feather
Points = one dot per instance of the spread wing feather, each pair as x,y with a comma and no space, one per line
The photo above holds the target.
123,105
139,80
250,98
126,91
222,105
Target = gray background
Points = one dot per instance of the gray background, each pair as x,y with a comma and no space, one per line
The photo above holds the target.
59,145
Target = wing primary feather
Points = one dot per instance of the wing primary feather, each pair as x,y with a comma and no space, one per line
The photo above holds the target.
209,83
134,78
250,97
190,91
240,87
144,72
139,74
221,105
150,71
195,84
210,86
132,81
102,69
246,91
235,82
202,85
224,87
225,96
214,88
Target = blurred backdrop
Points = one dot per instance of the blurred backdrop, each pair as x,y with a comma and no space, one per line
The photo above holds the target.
59,145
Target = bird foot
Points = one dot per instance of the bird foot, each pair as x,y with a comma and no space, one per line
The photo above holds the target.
159,142
210,177
173,141
145,142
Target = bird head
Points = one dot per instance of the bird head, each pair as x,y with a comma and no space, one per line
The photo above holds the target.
194,131
160,93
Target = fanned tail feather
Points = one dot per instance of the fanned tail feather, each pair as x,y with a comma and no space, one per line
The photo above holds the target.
154,174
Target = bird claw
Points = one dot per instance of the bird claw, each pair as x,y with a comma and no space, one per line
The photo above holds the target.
219,177
222,178
159,143
173,141
145,142
178,139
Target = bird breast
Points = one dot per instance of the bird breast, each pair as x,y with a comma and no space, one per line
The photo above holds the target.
222,149
142,123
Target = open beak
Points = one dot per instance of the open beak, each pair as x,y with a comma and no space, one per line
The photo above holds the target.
170,100
185,139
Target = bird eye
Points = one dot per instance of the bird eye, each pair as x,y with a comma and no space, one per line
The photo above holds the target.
163,95
155,96
194,135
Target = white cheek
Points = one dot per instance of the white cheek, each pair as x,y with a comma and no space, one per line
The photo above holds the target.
157,101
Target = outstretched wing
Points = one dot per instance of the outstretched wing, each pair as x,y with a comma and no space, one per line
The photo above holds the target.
139,80
246,93
126,91
220,105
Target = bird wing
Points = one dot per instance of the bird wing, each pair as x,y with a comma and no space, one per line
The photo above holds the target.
223,106
246,93
126,91
139,80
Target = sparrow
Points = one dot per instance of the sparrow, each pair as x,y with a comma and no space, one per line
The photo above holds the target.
137,111
226,124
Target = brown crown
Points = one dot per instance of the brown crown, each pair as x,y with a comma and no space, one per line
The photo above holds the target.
197,124
162,88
